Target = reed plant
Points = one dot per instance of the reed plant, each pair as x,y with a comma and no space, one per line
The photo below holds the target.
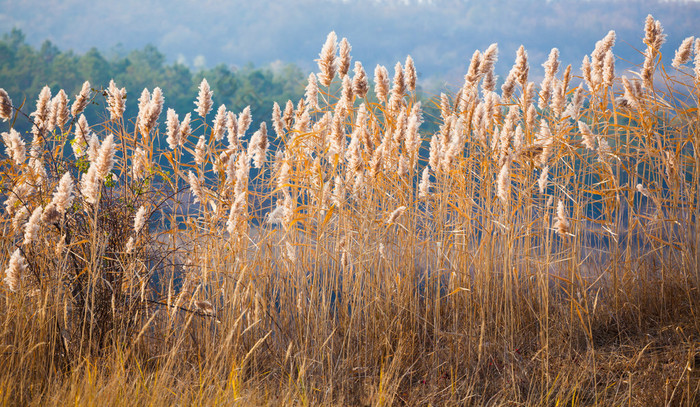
541,248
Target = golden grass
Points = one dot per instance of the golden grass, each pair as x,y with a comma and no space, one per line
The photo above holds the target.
515,257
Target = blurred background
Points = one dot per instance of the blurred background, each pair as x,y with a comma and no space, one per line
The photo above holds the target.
440,35
254,53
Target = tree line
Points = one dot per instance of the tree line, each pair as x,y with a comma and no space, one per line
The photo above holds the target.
25,70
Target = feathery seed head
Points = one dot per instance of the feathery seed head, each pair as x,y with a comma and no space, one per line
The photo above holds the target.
130,245
277,122
14,146
488,59
93,147
410,74
551,66
344,57
200,151
424,186
288,116
18,194
37,170
116,101
326,61
63,197
542,180
381,83
587,73
696,62
31,228
301,124
472,75
360,84
204,101
5,105
59,109
144,101
50,215
82,131
653,38
399,87
642,190
347,98
503,184
310,94
609,69
105,158
244,121
572,110
81,100
220,123
139,163
562,223
19,218
396,214
13,273
172,129
185,129
521,66
195,186
153,110
139,219
683,53
232,130
631,93
258,146
43,107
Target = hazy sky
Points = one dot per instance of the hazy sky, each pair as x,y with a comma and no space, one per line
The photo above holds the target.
441,35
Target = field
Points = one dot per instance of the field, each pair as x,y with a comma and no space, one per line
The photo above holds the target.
541,248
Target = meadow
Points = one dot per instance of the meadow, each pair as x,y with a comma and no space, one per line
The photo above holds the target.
541,248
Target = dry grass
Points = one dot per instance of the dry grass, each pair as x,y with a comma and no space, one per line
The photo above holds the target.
338,272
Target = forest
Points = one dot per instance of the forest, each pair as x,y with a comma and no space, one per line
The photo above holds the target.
24,71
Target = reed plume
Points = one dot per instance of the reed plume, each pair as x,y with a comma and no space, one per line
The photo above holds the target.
277,122
410,74
32,227
172,124
5,105
310,95
326,61
14,146
43,108
244,121
63,197
344,58
204,101
14,271
394,216
139,164
258,146
561,224
101,166
139,219
144,100
381,83
503,183
683,53
116,101
653,38
220,123
550,69
81,100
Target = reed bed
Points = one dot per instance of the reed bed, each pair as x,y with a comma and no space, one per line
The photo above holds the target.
541,248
